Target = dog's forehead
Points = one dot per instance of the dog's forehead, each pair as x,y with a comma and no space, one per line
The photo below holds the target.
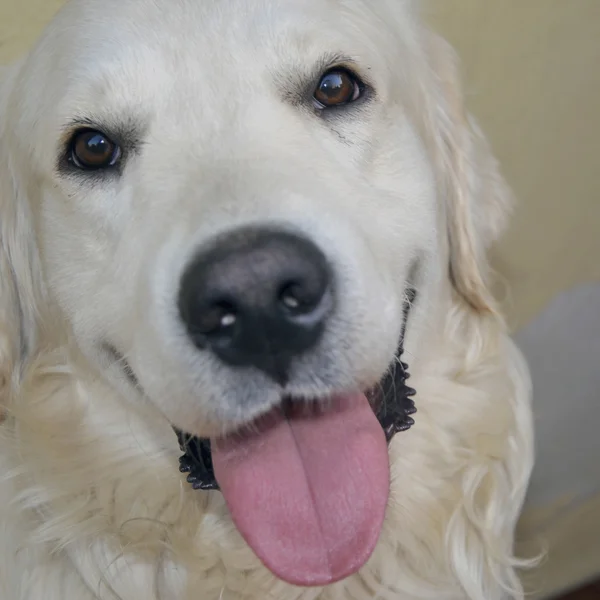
93,32
113,53
174,37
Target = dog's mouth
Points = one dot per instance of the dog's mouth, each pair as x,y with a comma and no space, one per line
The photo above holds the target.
307,485
391,400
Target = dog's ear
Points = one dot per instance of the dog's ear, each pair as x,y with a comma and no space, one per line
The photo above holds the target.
18,296
478,200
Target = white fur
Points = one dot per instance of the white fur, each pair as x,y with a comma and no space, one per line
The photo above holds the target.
91,502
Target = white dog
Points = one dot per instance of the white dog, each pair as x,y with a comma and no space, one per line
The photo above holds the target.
227,219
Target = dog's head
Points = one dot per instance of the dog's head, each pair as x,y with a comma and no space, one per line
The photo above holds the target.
224,204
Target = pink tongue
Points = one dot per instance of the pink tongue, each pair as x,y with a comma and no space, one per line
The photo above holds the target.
309,493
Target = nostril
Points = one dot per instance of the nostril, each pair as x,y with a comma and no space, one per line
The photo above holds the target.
290,295
217,318
300,299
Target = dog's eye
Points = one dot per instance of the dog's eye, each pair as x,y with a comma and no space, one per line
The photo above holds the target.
93,150
336,88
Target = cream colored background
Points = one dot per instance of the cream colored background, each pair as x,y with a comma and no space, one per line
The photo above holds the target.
533,73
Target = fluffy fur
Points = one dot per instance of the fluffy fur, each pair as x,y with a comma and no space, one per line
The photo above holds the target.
92,505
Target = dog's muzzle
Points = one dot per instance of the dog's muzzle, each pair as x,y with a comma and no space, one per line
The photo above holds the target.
391,400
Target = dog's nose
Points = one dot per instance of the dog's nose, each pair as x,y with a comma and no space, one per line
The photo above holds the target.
258,298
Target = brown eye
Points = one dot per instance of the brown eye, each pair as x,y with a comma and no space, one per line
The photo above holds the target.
337,87
92,150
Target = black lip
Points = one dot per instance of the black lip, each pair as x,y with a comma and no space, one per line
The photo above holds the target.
392,402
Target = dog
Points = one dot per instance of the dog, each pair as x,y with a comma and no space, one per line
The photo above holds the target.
230,230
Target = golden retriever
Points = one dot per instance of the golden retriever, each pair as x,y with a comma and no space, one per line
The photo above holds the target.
228,228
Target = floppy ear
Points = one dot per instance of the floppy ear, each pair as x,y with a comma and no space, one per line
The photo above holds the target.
17,259
478,200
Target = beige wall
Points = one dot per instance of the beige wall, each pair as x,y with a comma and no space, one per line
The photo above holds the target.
533,72
20,23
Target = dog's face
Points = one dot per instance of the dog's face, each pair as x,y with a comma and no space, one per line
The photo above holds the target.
228,202
166,135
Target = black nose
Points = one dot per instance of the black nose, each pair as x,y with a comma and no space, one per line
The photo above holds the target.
257,297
